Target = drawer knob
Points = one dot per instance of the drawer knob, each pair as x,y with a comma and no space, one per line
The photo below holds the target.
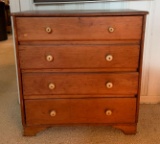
53,113
108,112
48,30
111,29
109,58
109,85
52,86
49,58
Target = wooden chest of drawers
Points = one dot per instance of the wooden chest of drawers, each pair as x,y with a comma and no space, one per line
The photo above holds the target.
79,67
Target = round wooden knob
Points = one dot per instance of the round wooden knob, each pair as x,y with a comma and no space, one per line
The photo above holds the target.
111,29
51,86
109,58
109,85
48,30
108,112
53,113
49,58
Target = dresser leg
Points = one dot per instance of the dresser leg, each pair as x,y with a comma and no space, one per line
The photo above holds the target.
33,130
127,129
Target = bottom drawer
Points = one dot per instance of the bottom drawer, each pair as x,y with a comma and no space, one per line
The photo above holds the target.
72,111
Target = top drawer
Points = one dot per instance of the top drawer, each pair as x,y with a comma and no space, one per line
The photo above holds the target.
79,28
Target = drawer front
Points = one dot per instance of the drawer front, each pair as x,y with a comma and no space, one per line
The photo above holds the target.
80,83
79,28
70,111
81,56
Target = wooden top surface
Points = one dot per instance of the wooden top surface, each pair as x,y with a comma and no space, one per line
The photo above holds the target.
79,13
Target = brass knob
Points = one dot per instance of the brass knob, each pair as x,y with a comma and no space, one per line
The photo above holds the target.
108,112
109,58
53,113
49,58
51,86
111,29
109,85
48,30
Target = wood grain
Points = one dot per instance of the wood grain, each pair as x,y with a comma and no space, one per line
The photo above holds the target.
79,28
82,70
79,56
80,111
80,83
85,42
79,43
51,96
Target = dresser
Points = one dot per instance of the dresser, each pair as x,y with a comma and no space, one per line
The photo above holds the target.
79,68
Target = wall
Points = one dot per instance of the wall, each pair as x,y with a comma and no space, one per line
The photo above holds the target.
151,65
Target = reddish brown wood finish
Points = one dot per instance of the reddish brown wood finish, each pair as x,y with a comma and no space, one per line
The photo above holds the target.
80,111
81,70
80,83
79,43
79,56
127,128
51,96
32,131
79,28
76,43
140,65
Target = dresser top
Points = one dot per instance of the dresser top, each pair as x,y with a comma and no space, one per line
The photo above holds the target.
68,13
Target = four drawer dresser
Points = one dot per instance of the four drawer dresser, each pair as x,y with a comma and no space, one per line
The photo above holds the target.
79,67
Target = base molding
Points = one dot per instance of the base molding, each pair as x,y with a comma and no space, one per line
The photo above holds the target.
33,130
149,99
128,129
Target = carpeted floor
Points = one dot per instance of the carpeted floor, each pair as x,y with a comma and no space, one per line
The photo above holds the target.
10,119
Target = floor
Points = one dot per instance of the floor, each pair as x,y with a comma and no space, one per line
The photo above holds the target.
10,119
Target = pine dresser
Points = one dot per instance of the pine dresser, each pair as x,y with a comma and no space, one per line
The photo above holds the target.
79,67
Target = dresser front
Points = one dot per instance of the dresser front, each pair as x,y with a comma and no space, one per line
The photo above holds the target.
79,68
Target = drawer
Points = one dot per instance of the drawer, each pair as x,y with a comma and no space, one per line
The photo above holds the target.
80,83
79,28
70,111
79,56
